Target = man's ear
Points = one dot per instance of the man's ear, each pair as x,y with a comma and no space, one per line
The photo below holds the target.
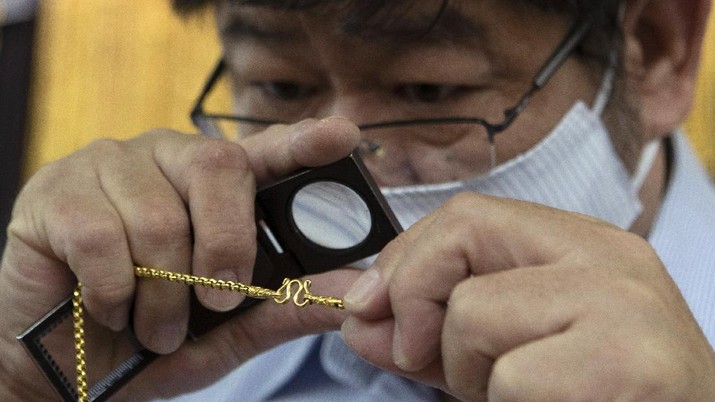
662,44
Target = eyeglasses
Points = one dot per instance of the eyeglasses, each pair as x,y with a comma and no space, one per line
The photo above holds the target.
473,133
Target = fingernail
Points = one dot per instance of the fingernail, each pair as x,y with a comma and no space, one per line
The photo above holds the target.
223,300
333,118
363,287
167,338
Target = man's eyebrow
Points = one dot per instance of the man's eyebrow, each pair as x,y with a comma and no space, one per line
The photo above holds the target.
241,28
450,25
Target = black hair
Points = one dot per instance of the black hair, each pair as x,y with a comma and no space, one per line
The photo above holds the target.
573,8
597,48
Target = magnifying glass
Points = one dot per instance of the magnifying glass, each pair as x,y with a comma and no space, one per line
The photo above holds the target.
314,221
331,215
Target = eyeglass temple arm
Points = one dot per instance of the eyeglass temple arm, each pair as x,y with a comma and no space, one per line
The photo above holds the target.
560,55
197,110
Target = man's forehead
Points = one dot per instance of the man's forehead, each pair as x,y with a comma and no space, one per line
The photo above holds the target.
428,20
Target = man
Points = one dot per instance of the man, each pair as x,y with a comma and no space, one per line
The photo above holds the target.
485,297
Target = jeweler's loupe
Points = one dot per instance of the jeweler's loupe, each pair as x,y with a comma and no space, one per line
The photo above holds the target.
311,222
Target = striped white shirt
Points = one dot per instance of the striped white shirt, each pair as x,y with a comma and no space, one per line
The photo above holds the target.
321,367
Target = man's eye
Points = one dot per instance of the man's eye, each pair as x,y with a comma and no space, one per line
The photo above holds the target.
286,90
427,93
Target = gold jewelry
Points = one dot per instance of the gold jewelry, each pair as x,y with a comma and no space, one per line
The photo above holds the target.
77,311
301,297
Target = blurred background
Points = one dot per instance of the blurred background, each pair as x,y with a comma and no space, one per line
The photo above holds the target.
75,70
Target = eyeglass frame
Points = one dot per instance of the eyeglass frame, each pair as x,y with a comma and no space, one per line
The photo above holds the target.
558,57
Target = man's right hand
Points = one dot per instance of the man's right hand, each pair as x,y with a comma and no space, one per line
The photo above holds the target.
178,202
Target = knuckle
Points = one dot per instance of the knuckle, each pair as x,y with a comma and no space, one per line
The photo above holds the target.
638,247
156,132
460,212
459,307
105,146
456,203
214,154
152,136
47,175
156,224
227,242
108,291
90,234
44,183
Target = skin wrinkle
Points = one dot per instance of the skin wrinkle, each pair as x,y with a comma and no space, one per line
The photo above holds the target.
509,90
608,259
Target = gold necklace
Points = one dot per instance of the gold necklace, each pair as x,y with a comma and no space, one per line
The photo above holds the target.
301,297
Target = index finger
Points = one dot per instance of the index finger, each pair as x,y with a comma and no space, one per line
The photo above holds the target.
215,181
283,149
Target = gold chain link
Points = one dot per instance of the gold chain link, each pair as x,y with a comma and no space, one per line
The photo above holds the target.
292,289
77,310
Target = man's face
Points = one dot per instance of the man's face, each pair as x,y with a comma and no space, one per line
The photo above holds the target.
476,61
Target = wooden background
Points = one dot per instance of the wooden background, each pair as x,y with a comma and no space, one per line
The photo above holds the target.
108,68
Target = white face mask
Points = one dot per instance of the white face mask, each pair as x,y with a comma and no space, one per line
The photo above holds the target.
574,168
